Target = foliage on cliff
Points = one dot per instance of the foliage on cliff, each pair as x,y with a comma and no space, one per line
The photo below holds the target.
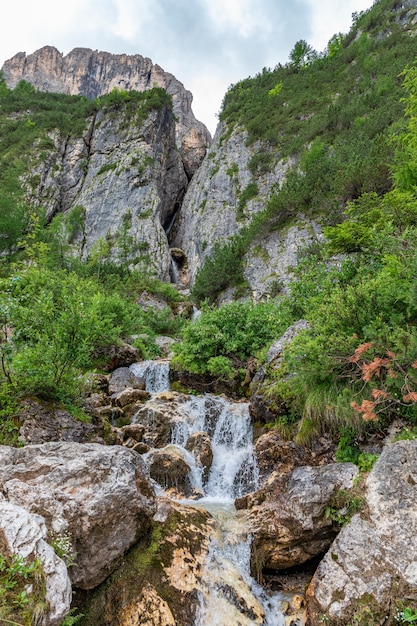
357,364
332,117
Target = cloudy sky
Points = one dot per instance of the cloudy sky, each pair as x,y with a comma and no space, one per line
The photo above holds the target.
207,44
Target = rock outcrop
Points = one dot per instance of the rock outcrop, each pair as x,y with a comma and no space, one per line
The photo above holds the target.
91,73
158,581
224,195
24,535
287,515
263,405
372,563
98,496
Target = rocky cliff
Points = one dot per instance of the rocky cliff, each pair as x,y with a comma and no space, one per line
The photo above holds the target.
91,73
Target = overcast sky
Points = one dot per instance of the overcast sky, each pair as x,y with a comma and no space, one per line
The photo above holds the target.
207,44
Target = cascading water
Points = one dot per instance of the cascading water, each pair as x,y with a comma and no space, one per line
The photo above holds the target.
155,375
229,596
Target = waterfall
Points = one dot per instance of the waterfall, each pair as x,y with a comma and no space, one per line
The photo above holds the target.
175,272
228,595
155,375
233,471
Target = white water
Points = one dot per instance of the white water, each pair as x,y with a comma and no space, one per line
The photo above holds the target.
229,594
155,375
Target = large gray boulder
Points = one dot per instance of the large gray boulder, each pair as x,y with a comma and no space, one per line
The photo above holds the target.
373,562
24,535
97,495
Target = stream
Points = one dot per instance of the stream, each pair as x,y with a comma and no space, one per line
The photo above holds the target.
230,596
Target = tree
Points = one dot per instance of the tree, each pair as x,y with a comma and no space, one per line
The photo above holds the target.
302,54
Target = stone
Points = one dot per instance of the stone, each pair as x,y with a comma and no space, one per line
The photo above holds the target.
123,378
135,431
159,415
169,468
118,356
24,534
371,565
159,580
46,421
99,495
129,396
287,518
275,454
199,445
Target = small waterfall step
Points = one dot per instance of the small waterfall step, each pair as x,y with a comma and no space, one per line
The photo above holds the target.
155,375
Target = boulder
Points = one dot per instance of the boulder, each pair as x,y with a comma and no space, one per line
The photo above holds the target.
159,581
275,454
159,416
45,421
287,517
99,496
372,563
199,445
170,469
135,431
130,396
119,356
24,534
123,378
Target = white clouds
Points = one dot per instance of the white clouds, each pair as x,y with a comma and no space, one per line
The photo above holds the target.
330,17
242,16
207,44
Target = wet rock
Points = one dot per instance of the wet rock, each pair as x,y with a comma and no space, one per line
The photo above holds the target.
159,580
24,534
45,421
287,515
170,469
372,563
159,415
130,396
141,448
199,445
100,496
135,431
123,378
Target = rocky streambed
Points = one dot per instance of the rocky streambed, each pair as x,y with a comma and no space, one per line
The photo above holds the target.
181,518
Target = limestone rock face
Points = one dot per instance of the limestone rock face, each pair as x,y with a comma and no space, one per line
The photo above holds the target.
100,496
91,73
223,196
262,406
44,422
286,516
24,534
372,562
128,179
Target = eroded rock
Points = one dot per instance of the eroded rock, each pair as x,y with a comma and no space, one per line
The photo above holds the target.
25,535
287,515
100,496
372,562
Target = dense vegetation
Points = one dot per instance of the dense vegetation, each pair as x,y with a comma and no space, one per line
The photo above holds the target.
355,368
333,115
343,116
58,315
